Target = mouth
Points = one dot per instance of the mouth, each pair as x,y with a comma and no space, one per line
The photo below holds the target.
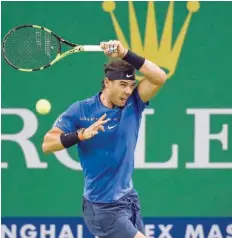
123,100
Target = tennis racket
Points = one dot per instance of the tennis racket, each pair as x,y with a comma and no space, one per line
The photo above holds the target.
31,48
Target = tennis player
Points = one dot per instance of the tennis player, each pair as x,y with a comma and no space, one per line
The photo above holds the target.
105,129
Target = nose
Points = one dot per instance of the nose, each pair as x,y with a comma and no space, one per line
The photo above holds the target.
128,90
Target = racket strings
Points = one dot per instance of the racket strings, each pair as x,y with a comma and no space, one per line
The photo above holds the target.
31,48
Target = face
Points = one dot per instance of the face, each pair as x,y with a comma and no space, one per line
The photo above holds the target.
120,91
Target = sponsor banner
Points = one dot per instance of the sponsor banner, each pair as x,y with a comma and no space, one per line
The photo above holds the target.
155,227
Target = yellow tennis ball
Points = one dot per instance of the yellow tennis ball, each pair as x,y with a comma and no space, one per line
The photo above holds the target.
43,106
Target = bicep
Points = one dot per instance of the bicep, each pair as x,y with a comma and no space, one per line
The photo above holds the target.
53,133
147,90
56,130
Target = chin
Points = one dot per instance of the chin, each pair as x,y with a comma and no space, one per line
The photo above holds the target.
122,104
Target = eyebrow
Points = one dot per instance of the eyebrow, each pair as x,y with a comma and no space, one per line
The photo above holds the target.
125,82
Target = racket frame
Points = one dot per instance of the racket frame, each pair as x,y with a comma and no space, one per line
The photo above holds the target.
76,48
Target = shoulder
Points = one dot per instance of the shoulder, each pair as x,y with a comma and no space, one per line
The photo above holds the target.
135,95
88,101
83,105
136,99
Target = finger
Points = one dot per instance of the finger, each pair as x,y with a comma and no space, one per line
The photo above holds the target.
105,121
110,43
119,43
93,133
103,45
102,117
111,46
115,46
101,128
95,127
107,46
101,123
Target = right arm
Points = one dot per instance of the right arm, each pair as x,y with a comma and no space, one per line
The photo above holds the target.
67,123
52,141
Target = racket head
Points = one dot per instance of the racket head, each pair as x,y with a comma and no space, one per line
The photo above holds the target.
30,47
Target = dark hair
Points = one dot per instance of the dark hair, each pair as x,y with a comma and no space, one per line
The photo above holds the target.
117,65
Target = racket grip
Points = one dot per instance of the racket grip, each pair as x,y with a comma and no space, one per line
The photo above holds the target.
92,48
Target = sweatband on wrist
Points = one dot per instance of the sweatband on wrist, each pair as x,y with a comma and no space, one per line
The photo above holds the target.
69,139
135,60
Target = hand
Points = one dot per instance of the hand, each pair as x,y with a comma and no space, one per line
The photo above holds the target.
113,48
95,127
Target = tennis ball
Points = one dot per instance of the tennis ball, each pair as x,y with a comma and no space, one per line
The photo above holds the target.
43,106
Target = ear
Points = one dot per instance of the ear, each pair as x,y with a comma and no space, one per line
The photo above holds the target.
106,82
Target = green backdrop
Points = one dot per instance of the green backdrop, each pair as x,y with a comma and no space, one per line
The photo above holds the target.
193,106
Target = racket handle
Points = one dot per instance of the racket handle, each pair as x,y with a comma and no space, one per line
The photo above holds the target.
91,48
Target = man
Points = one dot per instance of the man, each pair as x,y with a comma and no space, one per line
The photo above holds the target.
105,129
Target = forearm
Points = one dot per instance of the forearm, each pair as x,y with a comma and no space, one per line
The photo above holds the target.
56,139
153,73
52,143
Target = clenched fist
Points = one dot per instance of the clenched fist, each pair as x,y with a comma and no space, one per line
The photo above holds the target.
113,48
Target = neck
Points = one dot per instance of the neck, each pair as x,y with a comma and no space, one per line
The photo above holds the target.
104,97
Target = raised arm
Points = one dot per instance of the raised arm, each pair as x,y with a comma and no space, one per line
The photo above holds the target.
154,79
154,76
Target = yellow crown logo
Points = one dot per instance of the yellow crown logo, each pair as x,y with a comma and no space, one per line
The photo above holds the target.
164,53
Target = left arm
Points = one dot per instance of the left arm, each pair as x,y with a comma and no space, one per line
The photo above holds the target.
154,79
154,76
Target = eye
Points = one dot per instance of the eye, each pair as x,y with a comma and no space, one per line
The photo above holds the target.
123,85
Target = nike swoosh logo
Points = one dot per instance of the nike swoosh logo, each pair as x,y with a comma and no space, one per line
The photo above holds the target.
129,75
111,127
